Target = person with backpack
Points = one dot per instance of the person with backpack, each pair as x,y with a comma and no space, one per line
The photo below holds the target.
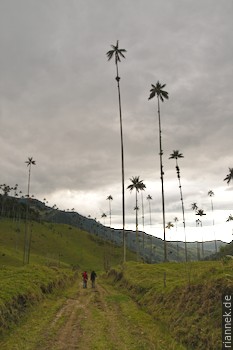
85,278
93,277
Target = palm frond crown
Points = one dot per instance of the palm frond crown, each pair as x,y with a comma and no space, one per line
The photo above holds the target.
194,206
210,193
229,176
118,53
157,90
137,184
30,161
200,212
176,154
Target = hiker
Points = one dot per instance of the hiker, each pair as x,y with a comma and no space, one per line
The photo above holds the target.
93,277
85,278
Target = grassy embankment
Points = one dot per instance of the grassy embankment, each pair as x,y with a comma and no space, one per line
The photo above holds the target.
186,298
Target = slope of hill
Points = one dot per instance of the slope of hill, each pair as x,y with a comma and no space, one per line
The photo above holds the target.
57,244
150,248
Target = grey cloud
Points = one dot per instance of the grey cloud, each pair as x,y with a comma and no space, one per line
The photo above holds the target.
58,94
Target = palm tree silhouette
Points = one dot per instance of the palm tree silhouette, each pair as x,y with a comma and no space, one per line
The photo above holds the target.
169,225
198,223
109,198
211,194
200,212
175,155
143,221
177,242
230,218
138,185
104,216
118,54
27,240
194,206
229,176
157,90
149,198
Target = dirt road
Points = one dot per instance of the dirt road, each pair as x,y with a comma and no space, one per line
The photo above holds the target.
104,318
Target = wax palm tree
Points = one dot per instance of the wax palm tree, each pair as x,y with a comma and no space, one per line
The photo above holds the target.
169,225
194,206
211,194
175,155
138,185
104,216
157,90
27,237
198,223
230,218
109,198
229,176
149,198
177,242
143,221
200,212
118,53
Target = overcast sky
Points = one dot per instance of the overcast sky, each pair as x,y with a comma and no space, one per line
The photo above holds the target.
58,104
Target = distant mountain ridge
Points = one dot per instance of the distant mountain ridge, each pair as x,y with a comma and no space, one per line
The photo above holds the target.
150,248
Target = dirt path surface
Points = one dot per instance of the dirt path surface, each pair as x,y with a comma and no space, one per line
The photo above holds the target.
103,318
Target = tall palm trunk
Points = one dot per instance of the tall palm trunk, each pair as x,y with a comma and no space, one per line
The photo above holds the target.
110,213
26,236
137,241
143,221
122,166
182,205
215,241
161,173
150,211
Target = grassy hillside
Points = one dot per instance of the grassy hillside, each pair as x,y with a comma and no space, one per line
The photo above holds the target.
57,244
186,298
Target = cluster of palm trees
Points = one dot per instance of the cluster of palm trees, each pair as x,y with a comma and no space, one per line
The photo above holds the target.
160,94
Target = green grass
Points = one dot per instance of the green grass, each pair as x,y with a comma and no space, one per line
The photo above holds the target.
57,244
173,275
56,250
180,296
22,287
35,325
185,297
